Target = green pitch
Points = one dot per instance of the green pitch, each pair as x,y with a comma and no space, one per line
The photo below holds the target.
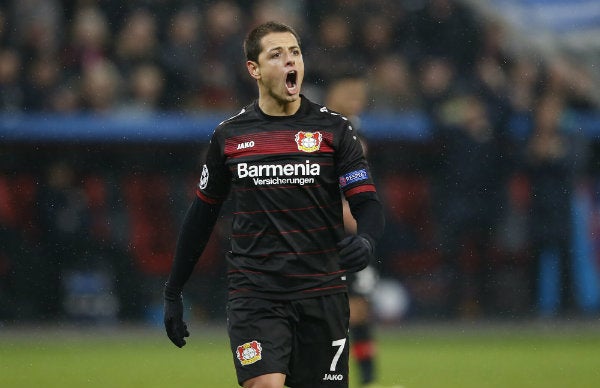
412,357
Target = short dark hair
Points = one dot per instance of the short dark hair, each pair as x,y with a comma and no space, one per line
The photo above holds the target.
252,47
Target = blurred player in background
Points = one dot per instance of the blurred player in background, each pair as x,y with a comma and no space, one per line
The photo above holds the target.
284,160
348,96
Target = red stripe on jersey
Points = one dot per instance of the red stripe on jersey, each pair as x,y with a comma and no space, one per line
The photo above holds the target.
334,227
314,274
309,253
206,199
359,189
289,275
291,253
324,288
244,271
273,143
281,210
240,189
242,290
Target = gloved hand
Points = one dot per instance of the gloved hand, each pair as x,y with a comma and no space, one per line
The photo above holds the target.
173,317
355,253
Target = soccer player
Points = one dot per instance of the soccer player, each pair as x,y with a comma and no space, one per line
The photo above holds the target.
349,96
283,159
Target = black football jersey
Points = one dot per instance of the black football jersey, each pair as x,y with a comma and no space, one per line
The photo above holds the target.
284,175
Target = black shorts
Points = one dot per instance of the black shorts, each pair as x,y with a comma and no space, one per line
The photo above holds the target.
305,339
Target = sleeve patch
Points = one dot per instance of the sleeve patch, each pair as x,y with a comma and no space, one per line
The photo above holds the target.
353,177
203,178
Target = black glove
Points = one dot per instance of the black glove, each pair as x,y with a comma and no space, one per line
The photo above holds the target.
173,317
355,253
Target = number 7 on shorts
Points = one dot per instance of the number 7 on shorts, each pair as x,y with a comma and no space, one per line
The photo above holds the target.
340,344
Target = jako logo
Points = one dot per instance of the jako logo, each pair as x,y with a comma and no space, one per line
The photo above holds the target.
332,377
246,144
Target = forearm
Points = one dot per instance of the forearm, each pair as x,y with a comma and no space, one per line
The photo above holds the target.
195,232
367,210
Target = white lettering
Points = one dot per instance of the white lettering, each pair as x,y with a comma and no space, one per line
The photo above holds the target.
332,377
283,181
242,170
288,169
246,144
277,170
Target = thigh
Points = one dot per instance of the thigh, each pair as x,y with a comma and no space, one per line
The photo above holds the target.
260,337
320,356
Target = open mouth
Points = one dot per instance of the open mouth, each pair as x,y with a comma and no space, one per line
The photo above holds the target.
290,80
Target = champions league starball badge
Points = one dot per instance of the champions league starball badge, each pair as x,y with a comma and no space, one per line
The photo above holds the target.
203,178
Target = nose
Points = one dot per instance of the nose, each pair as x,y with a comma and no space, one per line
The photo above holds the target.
289,59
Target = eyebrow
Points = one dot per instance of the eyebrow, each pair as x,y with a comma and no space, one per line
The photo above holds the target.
281,48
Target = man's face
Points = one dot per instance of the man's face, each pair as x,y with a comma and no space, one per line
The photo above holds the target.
280,67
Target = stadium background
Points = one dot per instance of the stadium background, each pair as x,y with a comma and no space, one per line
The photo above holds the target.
106,107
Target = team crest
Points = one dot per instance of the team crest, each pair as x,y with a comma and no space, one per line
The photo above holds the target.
249,353
309,141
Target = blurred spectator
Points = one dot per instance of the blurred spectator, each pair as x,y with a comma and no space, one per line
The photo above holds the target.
137,41
3,25
391,86
8,256
66,98
553,161
376,37
88,40
11,93
18,250
64,220
219,67
37,27
101,87
569,80
334,54
468,198
348,96
285,11
447,29
181,54
437,82
43,78
144,90
523,83
77,245
11,249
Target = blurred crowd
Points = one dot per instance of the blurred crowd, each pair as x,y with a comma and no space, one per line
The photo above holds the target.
481,217
143,55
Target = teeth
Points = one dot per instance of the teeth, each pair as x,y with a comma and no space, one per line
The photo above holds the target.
290,79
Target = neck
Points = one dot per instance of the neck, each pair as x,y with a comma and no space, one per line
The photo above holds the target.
275,107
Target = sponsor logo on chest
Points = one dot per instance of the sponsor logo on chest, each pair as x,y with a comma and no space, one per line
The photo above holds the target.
269,170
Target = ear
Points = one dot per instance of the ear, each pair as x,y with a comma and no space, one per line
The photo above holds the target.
253,69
